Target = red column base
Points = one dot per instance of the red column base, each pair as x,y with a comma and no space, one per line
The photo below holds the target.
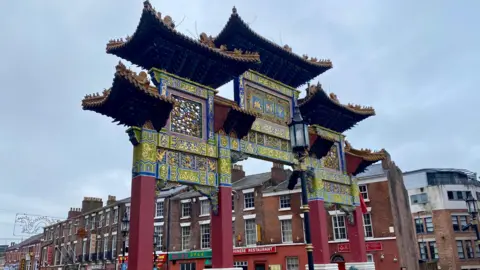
221,231
319,234
141,223
356,237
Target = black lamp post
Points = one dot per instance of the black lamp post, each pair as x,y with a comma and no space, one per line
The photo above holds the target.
125,227
473,211
300,142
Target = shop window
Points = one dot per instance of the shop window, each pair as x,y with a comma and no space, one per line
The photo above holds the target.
250,232
187,266
243,265
204,208
205,236
286,230
292,263
339,228
186,210
185,237
249,200
285,202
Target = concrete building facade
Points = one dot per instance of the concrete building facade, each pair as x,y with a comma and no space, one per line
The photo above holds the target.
437,201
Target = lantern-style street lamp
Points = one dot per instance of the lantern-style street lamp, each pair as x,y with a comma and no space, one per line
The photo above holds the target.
299,140
125,228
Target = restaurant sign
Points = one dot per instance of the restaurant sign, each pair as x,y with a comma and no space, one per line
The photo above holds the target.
254,250
190,255
373,246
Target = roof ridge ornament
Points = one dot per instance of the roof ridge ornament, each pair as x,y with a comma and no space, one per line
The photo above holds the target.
234,10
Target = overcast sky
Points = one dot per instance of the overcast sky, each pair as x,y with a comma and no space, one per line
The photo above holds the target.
415,62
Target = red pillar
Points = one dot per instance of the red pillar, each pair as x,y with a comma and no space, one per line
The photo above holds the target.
356,237
319,233
141,223
221,230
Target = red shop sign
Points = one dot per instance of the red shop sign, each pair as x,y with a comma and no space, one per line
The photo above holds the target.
254,250
344,247
373,246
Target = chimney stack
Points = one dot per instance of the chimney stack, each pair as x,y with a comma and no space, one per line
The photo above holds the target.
237,172
278,174
111,200
74,212
91,203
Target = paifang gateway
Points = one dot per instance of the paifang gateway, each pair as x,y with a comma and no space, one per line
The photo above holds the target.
183,132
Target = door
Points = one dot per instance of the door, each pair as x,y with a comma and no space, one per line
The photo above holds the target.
259,266
341,266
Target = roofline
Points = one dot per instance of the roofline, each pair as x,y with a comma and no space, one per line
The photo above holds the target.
467,172
117,203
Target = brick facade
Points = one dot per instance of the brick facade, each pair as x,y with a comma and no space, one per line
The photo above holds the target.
268,214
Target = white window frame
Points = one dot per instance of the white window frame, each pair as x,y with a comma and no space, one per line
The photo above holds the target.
337,219
107,219
284,208
105,246
159,202
249,192
285,223
185,239
247,220
370,258
364,193
205,204
92,226
100,222
365,226
114,245
292,263
205,231
115,216
184,206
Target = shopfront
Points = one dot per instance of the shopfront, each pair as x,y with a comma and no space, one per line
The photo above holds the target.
273,257
159,261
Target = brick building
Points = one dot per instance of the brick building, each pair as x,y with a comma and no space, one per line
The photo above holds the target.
90,237
268,225
437,201
24,255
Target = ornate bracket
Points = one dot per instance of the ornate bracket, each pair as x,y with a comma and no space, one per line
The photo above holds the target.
161,184
238,156
133,136
310,179
349,210
212,194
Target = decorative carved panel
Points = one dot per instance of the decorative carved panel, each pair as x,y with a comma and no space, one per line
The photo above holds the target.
186,117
